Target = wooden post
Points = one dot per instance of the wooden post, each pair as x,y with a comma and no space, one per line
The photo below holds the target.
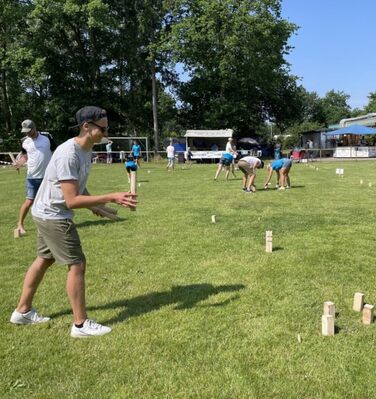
368,314
133,185
358,301
214,219
327,325
329,309
269,241
13,159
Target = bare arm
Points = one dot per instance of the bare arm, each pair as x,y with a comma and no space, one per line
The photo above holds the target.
20,161
269,177
75,200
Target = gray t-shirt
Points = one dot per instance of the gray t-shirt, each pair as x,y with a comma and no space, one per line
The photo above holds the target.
68,162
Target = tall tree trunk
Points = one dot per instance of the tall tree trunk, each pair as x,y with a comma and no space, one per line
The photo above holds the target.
155,114
7,109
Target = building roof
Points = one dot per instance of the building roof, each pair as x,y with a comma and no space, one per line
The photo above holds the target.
209,133
366,120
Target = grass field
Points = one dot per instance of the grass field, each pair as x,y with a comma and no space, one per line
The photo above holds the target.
200,310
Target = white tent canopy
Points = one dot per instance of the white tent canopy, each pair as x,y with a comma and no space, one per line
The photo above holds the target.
209,133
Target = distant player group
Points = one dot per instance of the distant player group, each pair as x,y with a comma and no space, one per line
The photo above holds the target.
248,165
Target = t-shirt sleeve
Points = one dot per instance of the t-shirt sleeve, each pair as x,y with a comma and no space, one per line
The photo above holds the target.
67,169
22,149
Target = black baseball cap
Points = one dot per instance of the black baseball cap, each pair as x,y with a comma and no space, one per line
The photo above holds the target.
90,114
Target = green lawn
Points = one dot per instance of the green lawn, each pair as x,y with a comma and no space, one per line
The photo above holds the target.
200,310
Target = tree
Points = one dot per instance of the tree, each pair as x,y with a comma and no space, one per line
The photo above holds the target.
234,55
371,106
336,107
13,55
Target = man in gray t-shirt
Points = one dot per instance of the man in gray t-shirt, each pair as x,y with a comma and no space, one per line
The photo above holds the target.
62,190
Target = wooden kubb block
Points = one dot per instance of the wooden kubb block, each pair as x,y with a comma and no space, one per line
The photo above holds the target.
358,301
367,314
327,325
269,241
329,309
214,219
133,185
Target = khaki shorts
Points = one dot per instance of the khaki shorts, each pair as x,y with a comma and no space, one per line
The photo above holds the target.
245,167
59,240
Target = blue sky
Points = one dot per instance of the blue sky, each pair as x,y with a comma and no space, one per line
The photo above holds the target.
335,46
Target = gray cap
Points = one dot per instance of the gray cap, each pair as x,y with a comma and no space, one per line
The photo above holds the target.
27,126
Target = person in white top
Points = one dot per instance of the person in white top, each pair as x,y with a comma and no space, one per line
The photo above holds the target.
36,149
248,166
170,156
64,189
231,149
109,151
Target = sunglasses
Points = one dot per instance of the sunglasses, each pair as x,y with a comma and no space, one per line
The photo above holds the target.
101,128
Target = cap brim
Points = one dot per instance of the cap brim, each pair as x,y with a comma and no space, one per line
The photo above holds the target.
26,130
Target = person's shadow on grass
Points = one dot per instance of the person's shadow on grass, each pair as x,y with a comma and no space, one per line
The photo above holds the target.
184,296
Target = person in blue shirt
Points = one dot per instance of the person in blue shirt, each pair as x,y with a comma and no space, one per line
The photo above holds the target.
136,152
282,168
130,166
224,162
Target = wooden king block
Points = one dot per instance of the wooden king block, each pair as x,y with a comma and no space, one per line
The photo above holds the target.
327,325
358,301
269,241
133,185
329,309
367,314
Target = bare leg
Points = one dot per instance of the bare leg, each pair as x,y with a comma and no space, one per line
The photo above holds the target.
250,183
244,181
288,179
227,172
33,277
218,171
76,291
22,215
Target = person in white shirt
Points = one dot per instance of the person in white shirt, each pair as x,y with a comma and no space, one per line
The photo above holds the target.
36,149
248,166
231,149
170,156
188,156
109,151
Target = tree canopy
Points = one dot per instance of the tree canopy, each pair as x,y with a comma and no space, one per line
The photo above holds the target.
158,66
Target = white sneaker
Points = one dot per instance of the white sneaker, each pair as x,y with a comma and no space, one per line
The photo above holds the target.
89,329
30,317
